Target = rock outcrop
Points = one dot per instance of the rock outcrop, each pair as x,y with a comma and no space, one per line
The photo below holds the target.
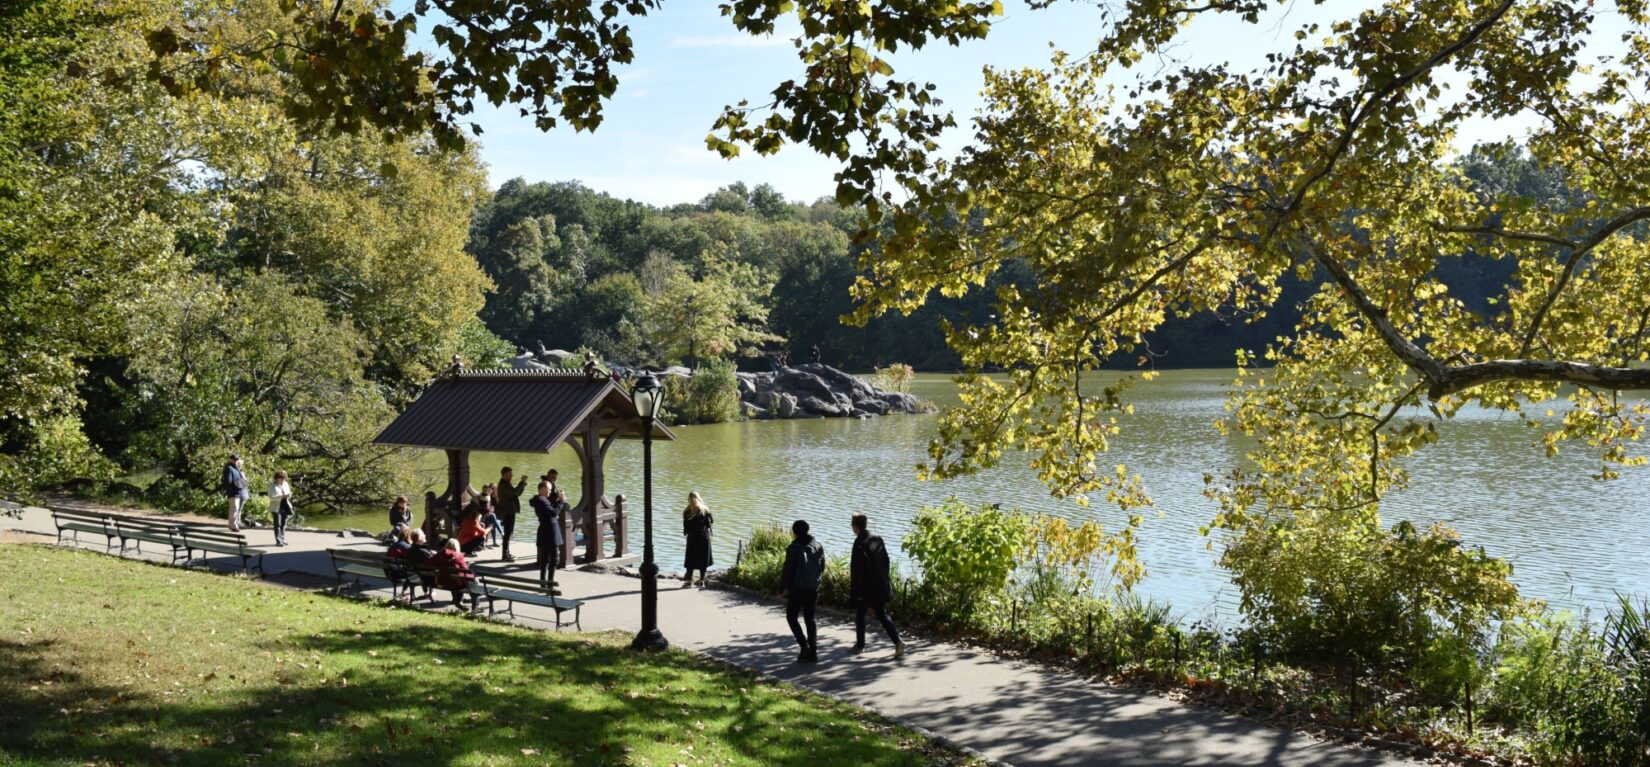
814,390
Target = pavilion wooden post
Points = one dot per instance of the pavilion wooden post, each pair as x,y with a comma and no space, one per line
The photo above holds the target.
450,502
592,484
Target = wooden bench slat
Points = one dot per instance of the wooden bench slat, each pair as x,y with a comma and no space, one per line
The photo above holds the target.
227,542
77,522
514,588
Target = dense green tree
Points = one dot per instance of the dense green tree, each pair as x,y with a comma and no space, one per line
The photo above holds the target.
377,230
268,372
718,315
81,233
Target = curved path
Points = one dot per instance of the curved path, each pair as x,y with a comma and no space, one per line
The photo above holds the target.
1017,713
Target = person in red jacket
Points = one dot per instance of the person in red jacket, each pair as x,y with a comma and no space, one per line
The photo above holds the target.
472,535
453,571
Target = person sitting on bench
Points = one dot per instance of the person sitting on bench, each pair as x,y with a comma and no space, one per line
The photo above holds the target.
472,536
454,572
403,543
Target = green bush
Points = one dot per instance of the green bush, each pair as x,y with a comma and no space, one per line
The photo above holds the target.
768,540
894,377
170,493
966,554
711,395
1333,588
57,452
1578,693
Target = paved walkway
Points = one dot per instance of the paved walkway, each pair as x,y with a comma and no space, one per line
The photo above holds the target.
1015,712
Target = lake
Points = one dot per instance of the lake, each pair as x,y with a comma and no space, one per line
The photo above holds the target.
1572,540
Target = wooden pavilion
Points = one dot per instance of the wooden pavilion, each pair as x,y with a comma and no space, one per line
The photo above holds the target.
526,411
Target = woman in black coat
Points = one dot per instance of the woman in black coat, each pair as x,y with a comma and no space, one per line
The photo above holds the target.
696,524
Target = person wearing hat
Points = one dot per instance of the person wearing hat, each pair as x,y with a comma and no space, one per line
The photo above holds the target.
235,489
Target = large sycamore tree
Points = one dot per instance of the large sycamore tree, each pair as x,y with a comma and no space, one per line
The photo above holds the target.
1136,189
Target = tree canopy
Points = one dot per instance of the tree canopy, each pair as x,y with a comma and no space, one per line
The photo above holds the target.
1131,195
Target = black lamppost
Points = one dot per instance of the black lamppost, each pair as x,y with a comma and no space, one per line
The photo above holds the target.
648,395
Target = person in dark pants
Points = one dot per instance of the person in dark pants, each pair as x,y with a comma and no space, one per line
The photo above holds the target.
401,517
280,506
696,524
509,505
799,582
547,508
869,586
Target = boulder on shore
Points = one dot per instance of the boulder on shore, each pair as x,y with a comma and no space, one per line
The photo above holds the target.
814,390
805,390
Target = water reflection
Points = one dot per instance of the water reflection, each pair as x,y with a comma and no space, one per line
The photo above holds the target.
1572,540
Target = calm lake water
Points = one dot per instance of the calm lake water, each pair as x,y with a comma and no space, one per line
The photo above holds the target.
1572,540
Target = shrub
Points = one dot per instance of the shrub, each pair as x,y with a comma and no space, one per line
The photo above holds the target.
1331,587
171,493
711,395
1579,694
895,377
479,348
57,452
768,540
966,554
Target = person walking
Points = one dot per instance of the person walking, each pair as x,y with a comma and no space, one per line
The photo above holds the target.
509,506
799,583
696,522
235,490
869,587
280,505
547,508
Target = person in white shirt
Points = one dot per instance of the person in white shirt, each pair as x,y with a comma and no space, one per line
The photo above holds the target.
280,505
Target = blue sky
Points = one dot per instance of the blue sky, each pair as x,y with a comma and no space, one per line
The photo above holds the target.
690,62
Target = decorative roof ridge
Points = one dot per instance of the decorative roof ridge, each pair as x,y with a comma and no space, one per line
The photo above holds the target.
470,374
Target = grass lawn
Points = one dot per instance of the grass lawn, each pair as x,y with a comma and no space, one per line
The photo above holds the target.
106,661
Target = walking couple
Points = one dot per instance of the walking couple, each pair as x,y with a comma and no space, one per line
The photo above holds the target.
870,588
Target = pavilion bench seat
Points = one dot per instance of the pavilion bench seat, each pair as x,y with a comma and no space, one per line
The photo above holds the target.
134,532
510,589
209,541
77,522
430,578
357,564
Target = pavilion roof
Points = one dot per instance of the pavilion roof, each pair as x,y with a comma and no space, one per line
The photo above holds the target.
515,411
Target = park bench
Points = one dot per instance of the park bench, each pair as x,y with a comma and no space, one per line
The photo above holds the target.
77,522
209,541
430,577
134,532
358,564
510,589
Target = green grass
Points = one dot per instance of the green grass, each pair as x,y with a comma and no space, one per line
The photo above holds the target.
108,661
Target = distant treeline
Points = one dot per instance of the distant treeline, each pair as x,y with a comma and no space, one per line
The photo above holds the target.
575,267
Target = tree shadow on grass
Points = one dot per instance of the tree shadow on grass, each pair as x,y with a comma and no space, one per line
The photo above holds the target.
434,693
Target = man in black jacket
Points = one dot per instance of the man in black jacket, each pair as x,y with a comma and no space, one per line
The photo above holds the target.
509,506
799,582
869,585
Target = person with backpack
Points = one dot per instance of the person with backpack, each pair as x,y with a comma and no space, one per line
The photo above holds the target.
799,582
869,586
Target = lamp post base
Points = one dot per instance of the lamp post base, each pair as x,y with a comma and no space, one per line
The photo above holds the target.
649,640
